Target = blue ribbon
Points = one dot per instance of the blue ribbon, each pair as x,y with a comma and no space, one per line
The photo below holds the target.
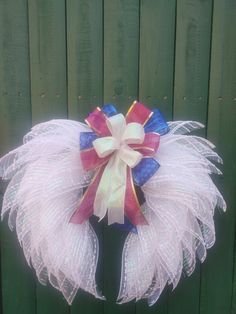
109,110
157,123
144,170
86,139
148,165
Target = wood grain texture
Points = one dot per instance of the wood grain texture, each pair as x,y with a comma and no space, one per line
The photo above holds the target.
85,90
62,58
217,275
156,76
18,285
47,34
192,55
47,31
157,51
85,56
121,53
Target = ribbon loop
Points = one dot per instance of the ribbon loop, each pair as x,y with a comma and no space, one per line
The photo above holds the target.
116,125
105,146
134,133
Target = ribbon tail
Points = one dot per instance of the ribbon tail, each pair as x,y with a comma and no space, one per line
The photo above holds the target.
110,194
132,208
85,208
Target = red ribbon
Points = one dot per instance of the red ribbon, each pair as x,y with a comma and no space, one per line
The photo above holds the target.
91,161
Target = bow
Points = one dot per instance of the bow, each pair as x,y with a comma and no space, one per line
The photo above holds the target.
121,150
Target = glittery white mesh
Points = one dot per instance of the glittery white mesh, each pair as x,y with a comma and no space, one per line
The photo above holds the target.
46,184
180,203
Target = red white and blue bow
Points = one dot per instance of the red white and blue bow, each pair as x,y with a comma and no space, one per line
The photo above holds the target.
122,152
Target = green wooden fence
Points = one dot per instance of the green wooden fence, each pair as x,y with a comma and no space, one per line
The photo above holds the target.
60,58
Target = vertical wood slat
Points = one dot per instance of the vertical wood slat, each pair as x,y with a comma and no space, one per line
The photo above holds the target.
157,50
193,36
85,90
156,74
49,95
121,50
192,57
18,286
217,274
85,56
121,45
47,27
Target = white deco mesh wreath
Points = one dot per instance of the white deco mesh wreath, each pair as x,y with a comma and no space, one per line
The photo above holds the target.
110,156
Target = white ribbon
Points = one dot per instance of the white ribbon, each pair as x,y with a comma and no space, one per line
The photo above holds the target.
110,195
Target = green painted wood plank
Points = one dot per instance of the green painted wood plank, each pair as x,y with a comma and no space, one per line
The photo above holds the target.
47,31
193,37
217,274
157,45
47,28
85,90
85,56
18,286
156,74
121,45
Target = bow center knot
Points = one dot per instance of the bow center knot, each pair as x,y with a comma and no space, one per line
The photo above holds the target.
122,135
122,151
